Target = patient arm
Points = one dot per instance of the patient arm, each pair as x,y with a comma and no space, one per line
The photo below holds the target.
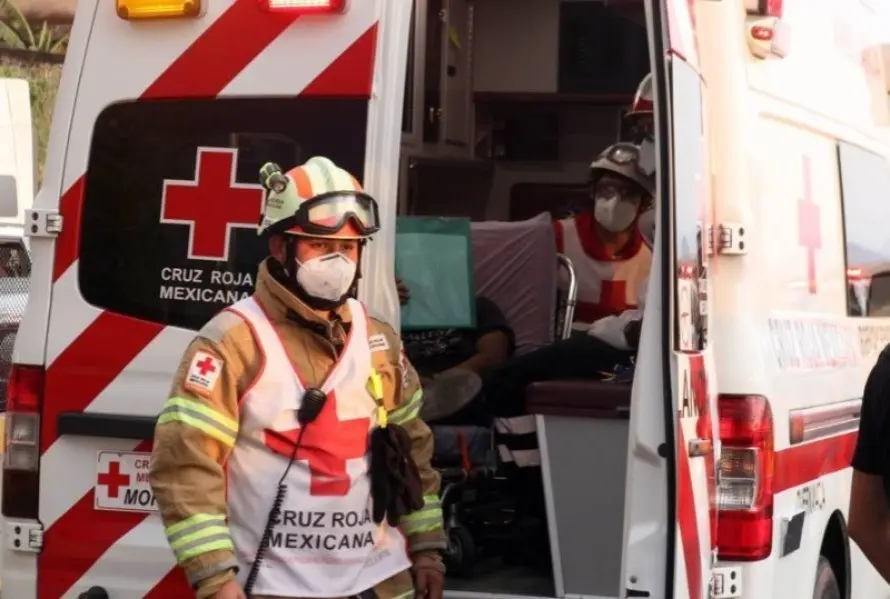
492,349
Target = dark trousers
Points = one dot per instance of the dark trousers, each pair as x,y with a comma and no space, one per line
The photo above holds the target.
503,388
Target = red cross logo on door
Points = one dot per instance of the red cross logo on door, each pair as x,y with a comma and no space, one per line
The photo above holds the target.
113,479
809,226
212,204
327,444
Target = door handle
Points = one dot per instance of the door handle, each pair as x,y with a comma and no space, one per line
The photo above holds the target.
700,447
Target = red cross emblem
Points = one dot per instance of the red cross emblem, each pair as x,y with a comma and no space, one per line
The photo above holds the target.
205,366
212,204
810,231
613,296
113,479
326,445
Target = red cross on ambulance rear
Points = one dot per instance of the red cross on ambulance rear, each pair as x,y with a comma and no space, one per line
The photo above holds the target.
324,542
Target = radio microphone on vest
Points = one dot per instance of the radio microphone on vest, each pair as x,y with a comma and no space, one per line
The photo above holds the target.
310,407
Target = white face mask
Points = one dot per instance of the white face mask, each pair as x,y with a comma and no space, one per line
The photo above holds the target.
613,214
327,277
647,156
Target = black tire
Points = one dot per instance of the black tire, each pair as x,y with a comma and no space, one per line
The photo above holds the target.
826,582
461,552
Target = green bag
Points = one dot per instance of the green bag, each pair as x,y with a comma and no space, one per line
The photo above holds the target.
434,259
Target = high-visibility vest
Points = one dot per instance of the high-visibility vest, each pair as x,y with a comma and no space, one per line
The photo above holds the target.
324,543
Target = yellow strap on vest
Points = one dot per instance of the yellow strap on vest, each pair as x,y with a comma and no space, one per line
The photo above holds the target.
375,388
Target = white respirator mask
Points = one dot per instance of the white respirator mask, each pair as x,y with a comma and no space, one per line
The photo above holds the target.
327,277
613,214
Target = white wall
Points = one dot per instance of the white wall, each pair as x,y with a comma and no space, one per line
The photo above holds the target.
516,45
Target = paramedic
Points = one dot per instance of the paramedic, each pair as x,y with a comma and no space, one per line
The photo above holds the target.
450,362
869,524
301,356
611,339
642,124
604,243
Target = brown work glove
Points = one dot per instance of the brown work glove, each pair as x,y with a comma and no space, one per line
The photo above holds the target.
396,489
429,575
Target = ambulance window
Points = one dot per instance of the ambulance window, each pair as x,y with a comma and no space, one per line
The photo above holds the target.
865,187
171,199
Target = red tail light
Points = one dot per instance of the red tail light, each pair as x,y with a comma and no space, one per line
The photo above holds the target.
305,7
21,458
745,493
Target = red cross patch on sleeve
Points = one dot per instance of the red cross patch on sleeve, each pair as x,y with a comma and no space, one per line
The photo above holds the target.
203,373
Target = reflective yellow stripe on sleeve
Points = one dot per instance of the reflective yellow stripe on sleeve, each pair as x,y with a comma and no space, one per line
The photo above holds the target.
375,388
198,534
205,419
409,411
426,519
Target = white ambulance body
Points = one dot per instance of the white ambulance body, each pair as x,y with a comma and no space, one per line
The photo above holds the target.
161,125
798,149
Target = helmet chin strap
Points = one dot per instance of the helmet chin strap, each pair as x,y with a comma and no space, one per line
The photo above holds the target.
288,277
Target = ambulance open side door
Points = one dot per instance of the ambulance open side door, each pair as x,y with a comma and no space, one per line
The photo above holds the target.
670,521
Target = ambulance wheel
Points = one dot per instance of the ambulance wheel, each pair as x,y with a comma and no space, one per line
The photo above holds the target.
461,551
826,582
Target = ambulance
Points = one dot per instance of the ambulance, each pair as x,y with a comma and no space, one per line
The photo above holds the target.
723,473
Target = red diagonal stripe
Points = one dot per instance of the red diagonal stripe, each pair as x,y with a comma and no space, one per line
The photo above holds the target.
687,519
204,69
74,542
68,242
89,364
351,73
174,584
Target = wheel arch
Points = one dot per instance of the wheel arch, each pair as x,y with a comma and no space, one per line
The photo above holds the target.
836,549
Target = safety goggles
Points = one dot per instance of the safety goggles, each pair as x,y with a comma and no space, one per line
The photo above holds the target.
327,213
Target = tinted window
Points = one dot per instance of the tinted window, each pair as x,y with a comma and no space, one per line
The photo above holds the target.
158,246
865,185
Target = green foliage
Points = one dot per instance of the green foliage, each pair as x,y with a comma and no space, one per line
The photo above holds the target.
16,32
43,80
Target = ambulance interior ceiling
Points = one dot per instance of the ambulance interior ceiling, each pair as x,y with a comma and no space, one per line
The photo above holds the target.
548,83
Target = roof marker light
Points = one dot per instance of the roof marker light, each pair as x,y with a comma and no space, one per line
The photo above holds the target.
305,7
137,10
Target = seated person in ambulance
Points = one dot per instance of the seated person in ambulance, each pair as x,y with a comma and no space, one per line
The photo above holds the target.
450,362
604,242
252,506
612,259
